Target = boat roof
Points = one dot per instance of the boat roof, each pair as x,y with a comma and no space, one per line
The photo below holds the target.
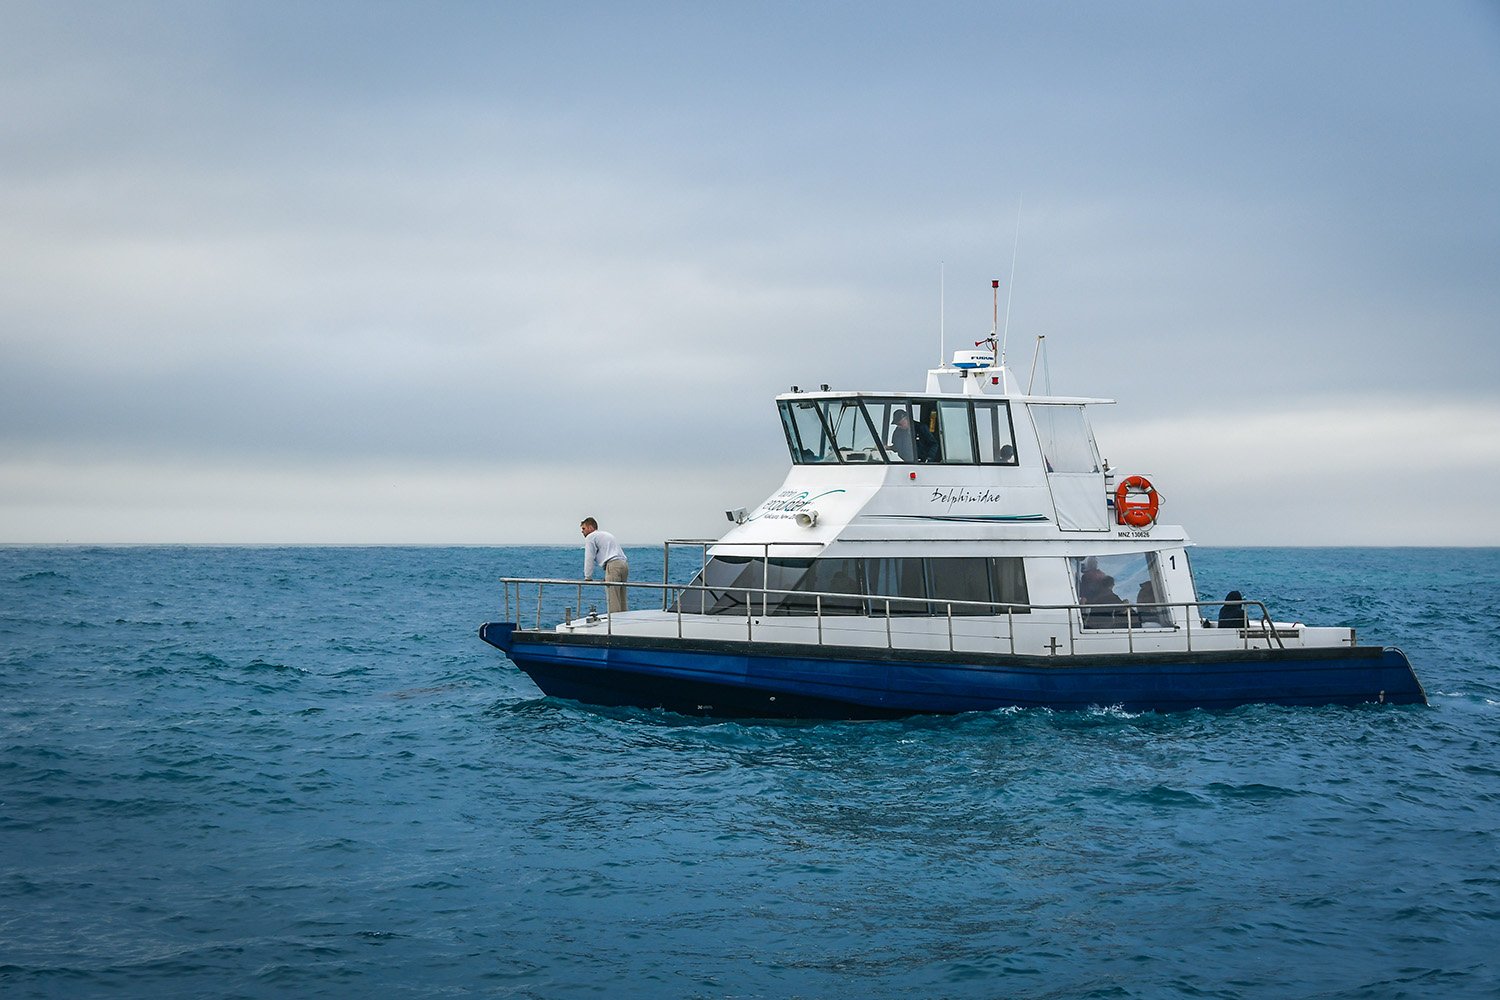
873,394
954,381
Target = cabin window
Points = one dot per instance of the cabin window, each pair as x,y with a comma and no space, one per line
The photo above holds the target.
932,583
720,587
958,580
825,576
917,587
1118,590
713,588
1064,435
1008,585
896,578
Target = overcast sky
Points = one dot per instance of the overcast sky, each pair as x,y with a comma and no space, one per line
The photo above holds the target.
466,272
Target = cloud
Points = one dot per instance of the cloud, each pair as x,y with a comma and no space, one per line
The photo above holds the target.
1399,473
73,499
1392,471
283,235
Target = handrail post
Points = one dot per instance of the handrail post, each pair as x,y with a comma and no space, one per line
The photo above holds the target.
749,618
818,607
539,607
1010,624
888,643
950,626
765,575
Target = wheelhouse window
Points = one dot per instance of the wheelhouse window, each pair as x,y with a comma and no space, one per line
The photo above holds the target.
994,435
853,436
957,434
910,427
899,430
806,434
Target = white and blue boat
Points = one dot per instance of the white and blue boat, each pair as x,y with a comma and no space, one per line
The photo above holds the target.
964,548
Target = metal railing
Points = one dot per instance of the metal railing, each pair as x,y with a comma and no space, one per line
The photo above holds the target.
892,608
702,544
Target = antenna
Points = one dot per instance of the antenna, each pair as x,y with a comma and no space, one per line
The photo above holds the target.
995,317
1011,288
1041,342
942,313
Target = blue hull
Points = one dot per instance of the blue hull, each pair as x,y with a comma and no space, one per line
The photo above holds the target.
766,680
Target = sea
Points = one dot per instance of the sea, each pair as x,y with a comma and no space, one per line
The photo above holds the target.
297,772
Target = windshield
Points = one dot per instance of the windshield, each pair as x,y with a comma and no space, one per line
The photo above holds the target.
905,430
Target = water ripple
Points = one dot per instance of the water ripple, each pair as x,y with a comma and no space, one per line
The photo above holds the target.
267,772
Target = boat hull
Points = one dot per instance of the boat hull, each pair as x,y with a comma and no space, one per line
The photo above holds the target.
783,680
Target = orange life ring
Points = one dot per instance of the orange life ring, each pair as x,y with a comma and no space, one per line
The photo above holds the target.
1137,513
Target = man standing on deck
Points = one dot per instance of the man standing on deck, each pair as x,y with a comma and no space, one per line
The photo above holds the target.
601,549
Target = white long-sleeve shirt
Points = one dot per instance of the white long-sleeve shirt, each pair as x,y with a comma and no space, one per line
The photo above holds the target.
599,548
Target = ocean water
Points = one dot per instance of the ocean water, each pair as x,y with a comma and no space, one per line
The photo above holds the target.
271,772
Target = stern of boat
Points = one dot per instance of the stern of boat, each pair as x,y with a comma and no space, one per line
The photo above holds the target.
1398,680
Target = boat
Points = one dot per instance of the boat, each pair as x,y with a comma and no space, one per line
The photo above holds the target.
960,549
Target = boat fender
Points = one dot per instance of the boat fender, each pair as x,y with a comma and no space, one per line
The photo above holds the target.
1137,513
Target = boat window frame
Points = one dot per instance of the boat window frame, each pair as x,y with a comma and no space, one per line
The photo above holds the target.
793,429
910,586
1065,436
856,405
926,406
928,409
950,435
1003,406
1121,613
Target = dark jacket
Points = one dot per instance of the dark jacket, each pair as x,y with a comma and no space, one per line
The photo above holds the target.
1232,614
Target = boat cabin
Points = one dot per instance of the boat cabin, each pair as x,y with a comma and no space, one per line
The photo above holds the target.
970,499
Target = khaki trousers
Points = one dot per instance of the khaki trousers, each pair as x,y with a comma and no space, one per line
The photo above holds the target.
616,571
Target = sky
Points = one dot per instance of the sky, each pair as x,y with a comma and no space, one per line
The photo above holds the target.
467,272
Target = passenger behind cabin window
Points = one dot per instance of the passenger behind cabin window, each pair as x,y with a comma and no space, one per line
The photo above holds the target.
1007,455
1097,588
1232,614
1091,581
912,441
1144,598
